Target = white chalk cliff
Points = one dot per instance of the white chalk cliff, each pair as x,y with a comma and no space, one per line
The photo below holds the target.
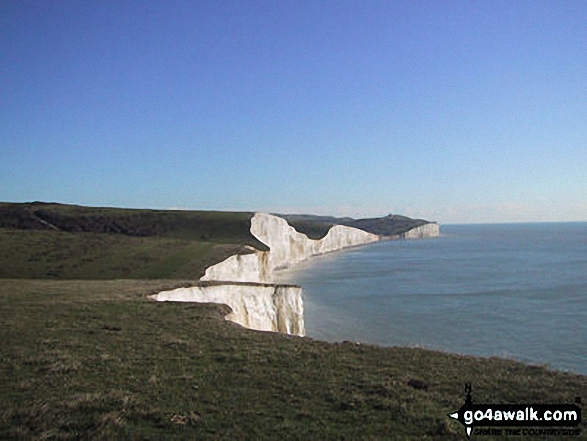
286,247
423,231
265,307
245,282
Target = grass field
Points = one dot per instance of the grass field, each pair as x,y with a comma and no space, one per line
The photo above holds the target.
212,226
41,254
56,241
98,360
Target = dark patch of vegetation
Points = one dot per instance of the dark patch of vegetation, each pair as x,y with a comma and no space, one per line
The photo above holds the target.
97,360
47,240
314,230
391,225
207,226
316,227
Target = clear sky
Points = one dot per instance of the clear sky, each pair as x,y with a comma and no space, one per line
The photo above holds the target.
455,111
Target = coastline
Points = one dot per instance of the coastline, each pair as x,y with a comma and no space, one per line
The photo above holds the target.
266,304
95,359
89,354
376,295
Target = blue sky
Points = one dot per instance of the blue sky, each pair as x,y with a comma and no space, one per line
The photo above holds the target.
455,111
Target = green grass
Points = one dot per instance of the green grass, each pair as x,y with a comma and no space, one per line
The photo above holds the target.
314,230
56,241
317,227
52,254
97,360
212,226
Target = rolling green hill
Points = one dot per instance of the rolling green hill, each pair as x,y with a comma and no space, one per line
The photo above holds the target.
41,240
316,227
207,226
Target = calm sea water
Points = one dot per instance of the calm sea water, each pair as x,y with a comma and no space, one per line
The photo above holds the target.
510,290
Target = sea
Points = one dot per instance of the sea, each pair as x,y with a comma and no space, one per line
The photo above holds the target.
517,291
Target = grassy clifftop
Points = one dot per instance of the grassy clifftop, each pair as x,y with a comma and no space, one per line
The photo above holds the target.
208,226
316,227
40,240
97,360
50,240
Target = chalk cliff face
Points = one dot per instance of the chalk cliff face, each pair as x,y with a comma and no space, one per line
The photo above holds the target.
247,280
277,308
242,268
423,231
286,247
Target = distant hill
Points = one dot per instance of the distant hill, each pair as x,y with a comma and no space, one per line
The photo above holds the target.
317,226
57,241
213,226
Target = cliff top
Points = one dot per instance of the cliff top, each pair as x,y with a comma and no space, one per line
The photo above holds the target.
98,360
316,227
59,241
